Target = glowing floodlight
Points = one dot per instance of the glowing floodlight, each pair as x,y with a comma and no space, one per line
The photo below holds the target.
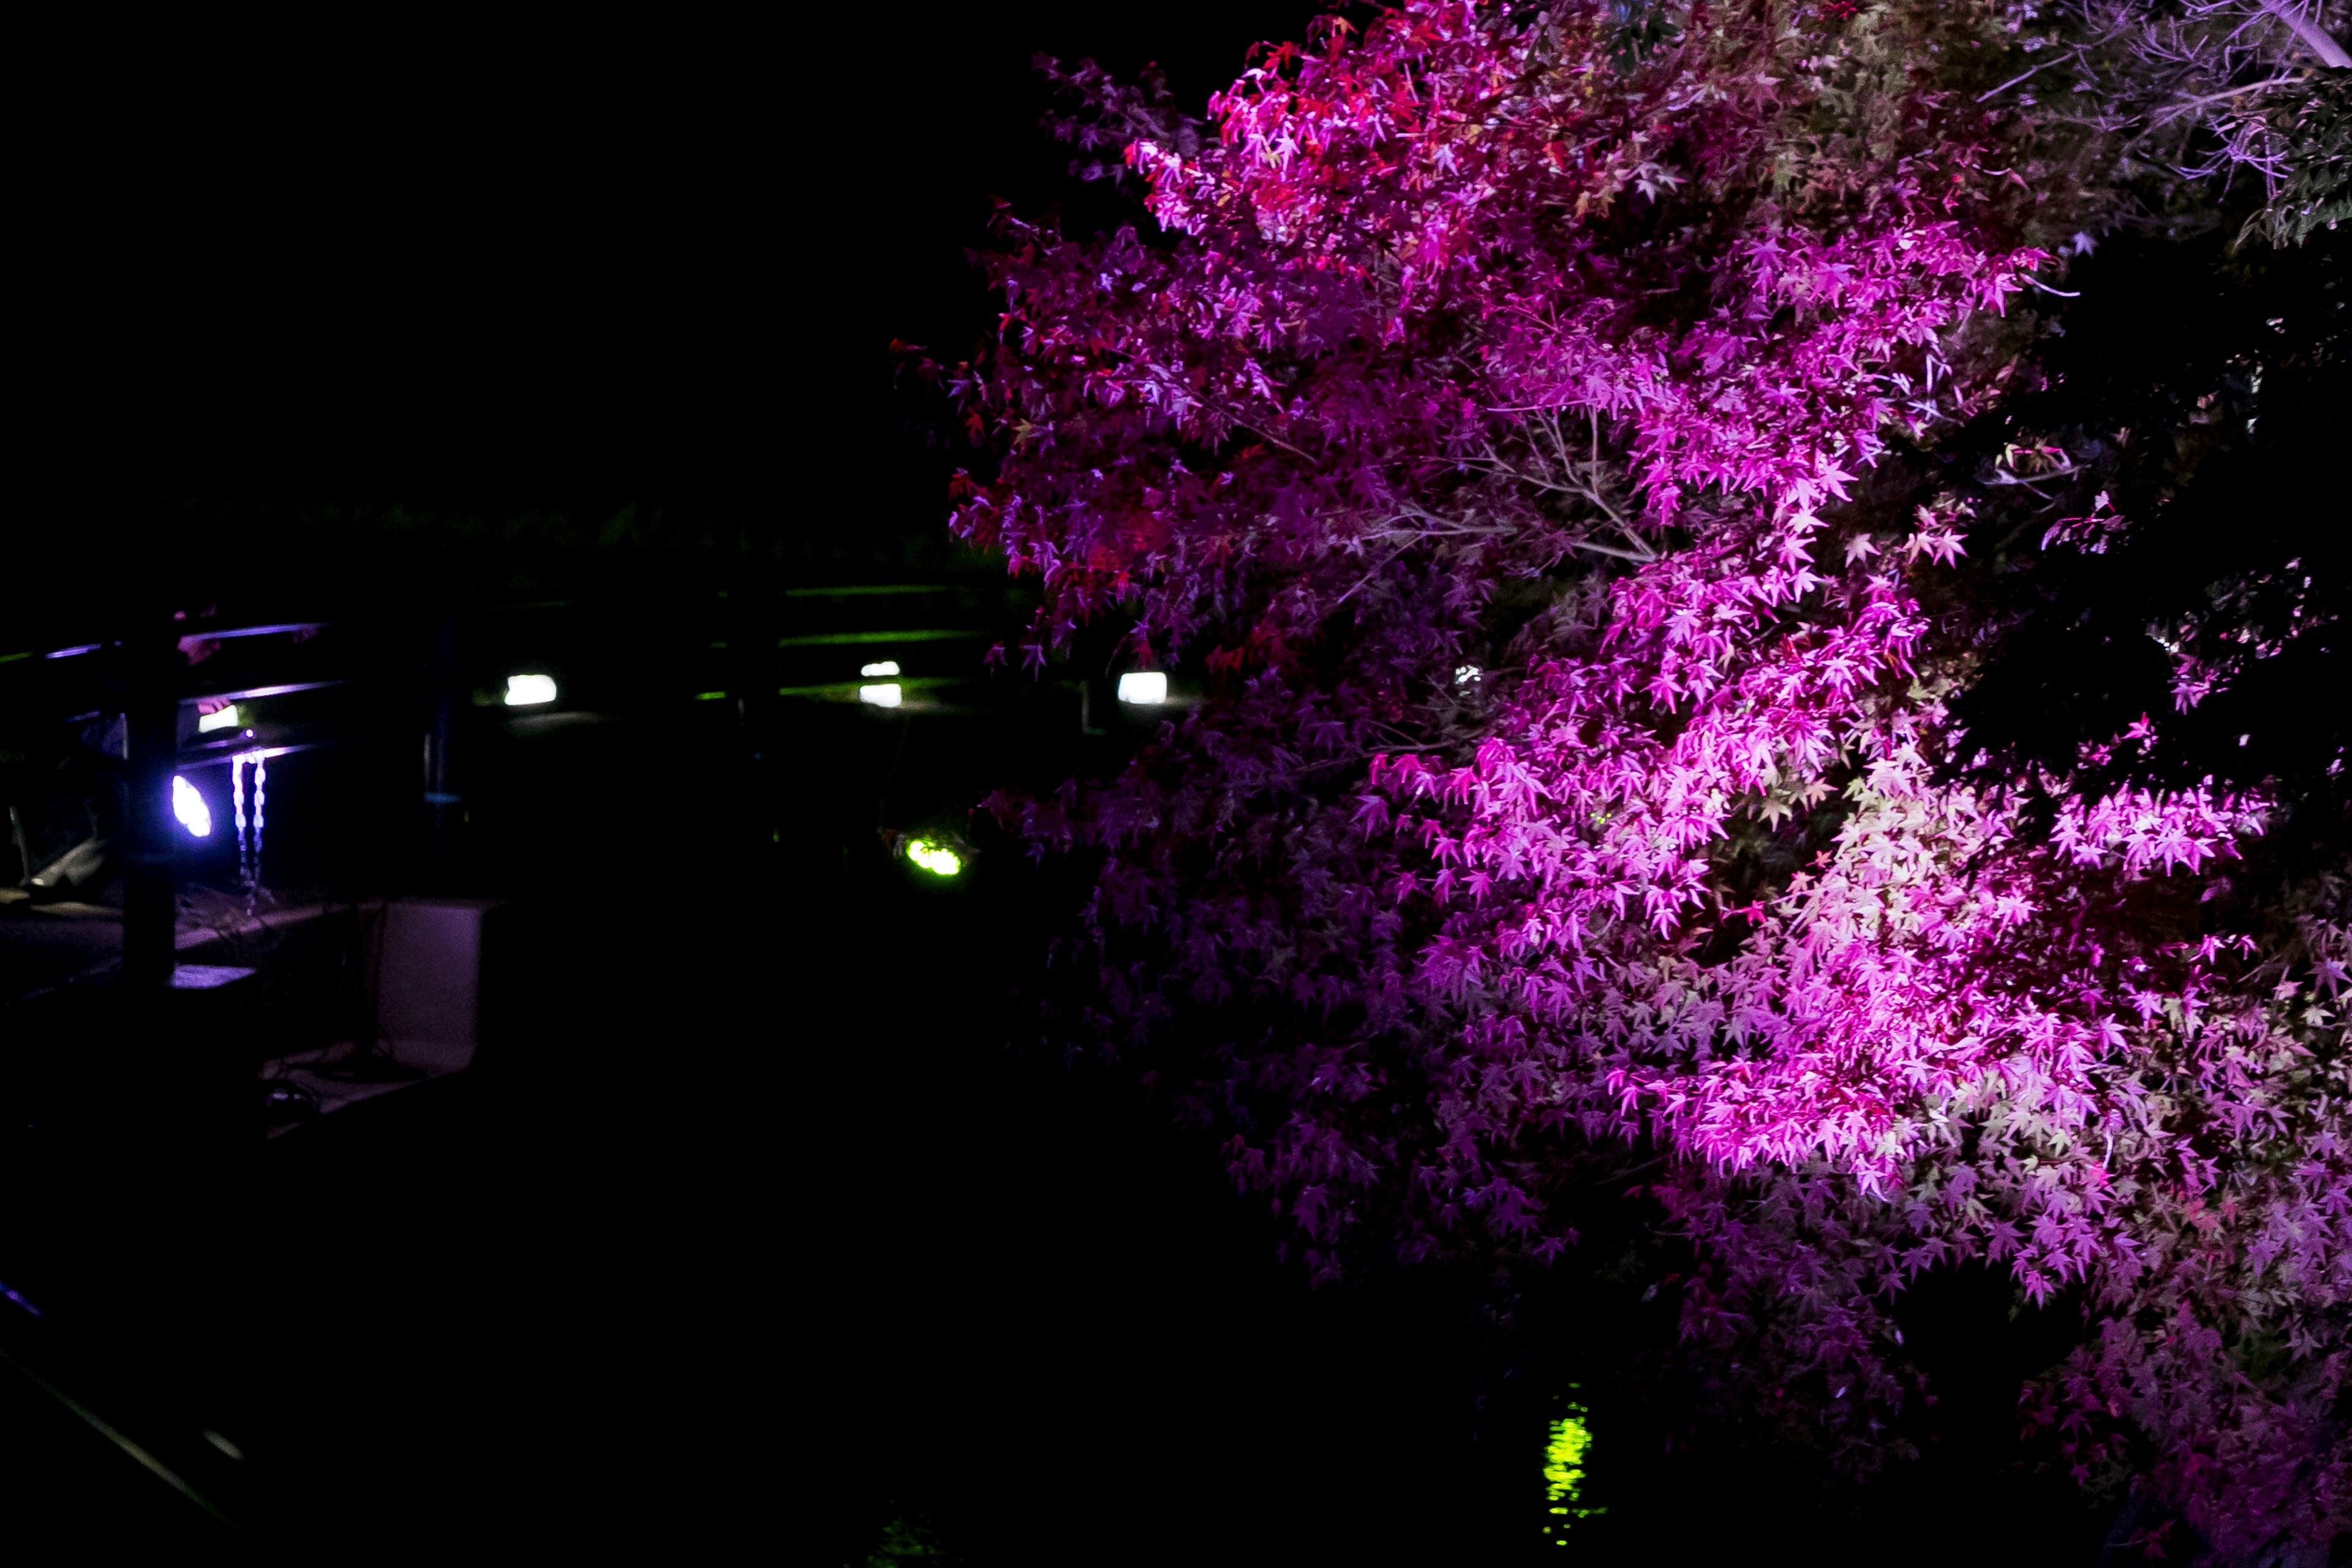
887,667
529,691
936,859
189,808
886,696
1144,687
224,718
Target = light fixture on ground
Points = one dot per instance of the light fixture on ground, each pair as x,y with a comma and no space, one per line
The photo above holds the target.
887,667
529,690
1144,688
189,808
936,859
884,696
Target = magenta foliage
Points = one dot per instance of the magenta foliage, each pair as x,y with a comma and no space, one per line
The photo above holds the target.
1492,417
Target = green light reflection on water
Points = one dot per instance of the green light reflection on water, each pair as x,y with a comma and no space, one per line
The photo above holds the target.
1569,1440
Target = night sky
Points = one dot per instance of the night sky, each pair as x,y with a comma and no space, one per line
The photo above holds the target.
578,262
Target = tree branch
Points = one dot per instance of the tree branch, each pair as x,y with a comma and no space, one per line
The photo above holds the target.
2321,44
2175,110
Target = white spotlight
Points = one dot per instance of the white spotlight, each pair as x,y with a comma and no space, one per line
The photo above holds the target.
189,808
529,691
222,719
880,696
1143,688
887,667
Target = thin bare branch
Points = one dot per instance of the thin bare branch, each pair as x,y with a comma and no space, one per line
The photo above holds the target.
2317,37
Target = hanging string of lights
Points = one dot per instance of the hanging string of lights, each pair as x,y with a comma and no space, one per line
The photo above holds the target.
249,850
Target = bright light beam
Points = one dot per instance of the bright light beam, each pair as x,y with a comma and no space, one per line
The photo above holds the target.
529,691
189,808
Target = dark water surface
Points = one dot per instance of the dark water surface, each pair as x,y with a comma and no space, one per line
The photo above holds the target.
749,1228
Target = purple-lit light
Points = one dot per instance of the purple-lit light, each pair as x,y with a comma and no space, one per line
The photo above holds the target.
189,808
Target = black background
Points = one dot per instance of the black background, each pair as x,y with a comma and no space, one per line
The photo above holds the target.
537,263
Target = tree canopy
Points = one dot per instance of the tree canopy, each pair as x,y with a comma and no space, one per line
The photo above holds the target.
1764,578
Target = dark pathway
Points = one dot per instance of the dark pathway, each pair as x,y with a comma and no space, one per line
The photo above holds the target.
748,1237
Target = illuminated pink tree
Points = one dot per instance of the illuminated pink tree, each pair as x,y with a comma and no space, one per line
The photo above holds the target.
1506,416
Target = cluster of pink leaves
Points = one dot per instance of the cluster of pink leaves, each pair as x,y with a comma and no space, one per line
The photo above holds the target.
1466,302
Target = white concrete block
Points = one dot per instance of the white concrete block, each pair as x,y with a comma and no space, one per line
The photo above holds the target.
423,965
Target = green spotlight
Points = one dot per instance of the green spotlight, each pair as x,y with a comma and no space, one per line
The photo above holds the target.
936,859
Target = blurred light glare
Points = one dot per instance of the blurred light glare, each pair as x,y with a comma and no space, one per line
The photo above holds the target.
225,719
887,667
936,859
527,690
1466,674
1143,688
189,808
880,696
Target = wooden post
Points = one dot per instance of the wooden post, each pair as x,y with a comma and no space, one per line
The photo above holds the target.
441,801
151,699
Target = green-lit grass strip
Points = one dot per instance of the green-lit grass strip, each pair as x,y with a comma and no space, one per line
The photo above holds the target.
846,690
848,639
